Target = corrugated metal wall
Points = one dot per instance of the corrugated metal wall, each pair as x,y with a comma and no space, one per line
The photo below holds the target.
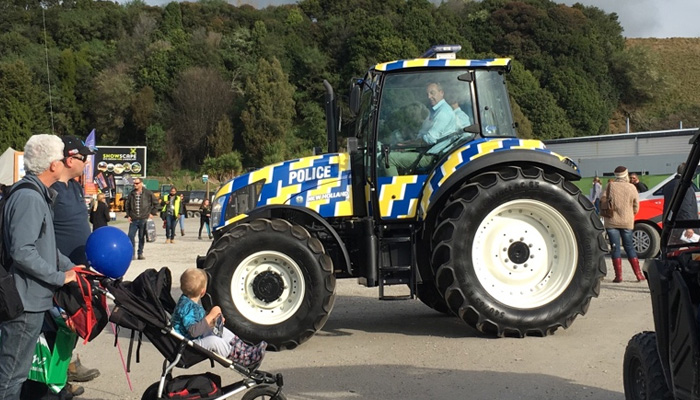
653,153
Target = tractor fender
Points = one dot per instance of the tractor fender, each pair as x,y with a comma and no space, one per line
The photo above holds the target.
445,180
301,216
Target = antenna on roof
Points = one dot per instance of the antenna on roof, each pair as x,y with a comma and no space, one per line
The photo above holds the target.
443,51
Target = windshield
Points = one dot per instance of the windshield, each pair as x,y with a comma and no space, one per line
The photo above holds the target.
422,116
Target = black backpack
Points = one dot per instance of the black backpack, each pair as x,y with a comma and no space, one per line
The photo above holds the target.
10,303
203,386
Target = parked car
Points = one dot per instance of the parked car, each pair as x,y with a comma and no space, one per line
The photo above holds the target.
647,222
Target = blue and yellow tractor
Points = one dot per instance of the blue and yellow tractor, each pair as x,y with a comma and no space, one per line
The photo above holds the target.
435,192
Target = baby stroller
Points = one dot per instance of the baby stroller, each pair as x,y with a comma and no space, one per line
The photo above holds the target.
144,306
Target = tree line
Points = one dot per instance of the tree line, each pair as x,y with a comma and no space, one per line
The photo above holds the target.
208,85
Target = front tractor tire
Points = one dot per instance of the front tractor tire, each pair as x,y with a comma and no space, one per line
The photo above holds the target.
518,252
273,281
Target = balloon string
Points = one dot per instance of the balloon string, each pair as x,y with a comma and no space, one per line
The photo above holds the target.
119,347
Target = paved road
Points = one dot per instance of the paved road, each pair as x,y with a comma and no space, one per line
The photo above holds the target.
372,349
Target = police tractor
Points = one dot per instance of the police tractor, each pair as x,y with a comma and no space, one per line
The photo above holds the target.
474,222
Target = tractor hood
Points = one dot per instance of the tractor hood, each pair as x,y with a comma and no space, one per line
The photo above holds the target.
321,183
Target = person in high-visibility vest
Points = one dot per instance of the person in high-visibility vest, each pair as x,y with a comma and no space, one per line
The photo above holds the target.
171,211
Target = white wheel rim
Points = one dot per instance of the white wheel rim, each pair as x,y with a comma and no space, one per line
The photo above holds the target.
272,264
525,254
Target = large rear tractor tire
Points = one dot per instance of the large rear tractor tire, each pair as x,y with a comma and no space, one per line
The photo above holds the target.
646,240
643,376
518,252
273,281
431,297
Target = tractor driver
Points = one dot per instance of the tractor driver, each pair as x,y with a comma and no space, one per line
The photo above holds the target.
440,122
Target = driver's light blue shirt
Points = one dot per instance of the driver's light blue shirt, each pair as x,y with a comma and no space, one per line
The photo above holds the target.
440,123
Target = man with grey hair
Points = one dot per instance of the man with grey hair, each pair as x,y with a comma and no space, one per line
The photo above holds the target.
38,267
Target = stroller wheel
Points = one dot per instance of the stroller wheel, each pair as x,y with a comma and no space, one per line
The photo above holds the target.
151,392
263,392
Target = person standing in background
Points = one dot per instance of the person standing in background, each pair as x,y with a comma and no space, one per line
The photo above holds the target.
625,200
688,210
205,214
99,214
171,211
140,206
641,187
596,192
183,214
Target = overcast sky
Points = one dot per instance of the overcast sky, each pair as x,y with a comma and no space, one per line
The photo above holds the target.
639,18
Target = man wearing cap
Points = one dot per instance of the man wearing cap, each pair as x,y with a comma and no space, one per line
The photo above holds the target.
38,269
72,228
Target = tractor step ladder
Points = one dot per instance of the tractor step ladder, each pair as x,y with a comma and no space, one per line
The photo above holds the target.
398,274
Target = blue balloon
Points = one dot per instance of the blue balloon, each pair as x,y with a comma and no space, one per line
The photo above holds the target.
109,251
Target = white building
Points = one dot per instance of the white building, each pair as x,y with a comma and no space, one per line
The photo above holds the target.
647,153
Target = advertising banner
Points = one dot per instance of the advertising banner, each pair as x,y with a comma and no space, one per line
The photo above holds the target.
117,165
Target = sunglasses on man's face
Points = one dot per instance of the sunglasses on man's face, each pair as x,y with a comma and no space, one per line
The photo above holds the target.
80,157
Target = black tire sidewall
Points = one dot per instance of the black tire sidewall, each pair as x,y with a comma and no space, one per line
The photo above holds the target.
465,290
430,295
151,393
642,348
305,321
265,390
654,240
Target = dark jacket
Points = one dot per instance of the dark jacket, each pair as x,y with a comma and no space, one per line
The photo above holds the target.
204,213
99,216
149,205
689,207
641,187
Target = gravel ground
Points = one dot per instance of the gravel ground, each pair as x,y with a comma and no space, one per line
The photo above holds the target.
371,349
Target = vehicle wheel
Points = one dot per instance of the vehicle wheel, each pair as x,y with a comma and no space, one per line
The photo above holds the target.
518,252
264,392
273,281
197,214
189,214
646,240
643,375
151,392
431,297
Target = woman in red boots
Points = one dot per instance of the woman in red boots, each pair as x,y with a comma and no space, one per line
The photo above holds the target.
625,204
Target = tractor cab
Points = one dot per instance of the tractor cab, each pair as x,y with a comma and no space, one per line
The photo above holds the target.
411,114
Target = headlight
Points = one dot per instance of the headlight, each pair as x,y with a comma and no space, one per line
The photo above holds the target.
216,211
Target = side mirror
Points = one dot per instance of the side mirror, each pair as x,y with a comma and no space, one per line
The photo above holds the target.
355,95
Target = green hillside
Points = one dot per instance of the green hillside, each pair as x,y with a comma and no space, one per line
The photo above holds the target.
678,100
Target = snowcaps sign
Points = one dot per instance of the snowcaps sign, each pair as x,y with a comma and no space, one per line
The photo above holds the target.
119,164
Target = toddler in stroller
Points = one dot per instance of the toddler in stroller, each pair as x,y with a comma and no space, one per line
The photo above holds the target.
144,305
207,330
